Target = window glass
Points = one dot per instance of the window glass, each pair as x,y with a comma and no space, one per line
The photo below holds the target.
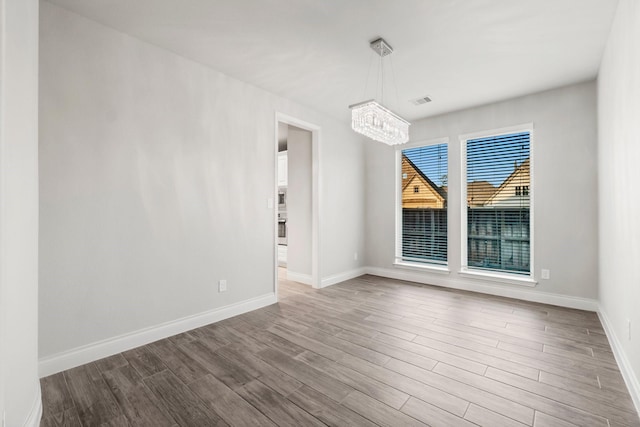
498,203
424,204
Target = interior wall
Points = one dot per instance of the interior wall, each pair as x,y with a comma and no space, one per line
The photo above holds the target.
619,175
20,396
299,202
564,187
155,175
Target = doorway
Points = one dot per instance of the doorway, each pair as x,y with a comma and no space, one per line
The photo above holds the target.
297,195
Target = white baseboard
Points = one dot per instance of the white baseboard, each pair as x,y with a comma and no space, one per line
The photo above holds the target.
306,279
630,377
341,277
79,356
522,293
35,414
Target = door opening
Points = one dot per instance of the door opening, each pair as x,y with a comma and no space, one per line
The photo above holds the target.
296,218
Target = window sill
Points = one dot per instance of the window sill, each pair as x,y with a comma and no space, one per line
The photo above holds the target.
422,267
510,279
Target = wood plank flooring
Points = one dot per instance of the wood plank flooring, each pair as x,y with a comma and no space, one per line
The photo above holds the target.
366,352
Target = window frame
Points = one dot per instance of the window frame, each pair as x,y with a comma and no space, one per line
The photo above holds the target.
398,261
465,270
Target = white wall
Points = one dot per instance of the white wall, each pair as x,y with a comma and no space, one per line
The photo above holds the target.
565,191
619,178
20,390
155,174
299,202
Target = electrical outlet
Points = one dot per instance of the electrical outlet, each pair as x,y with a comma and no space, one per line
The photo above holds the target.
222,286
629,329
355,256
546,274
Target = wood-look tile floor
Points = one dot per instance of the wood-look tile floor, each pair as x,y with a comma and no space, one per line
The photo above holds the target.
369,351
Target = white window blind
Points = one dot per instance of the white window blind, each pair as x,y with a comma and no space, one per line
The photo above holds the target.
423,229
498,203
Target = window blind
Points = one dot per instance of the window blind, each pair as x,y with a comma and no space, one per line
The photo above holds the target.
498,203
423,231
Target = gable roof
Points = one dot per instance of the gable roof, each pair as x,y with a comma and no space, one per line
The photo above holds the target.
480,192
524,165
417,170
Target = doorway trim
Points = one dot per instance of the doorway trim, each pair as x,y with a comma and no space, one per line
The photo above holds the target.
315,195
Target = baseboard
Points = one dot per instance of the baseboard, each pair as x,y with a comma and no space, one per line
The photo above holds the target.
79,356
35,414
630,377
306,279
522,293
341,277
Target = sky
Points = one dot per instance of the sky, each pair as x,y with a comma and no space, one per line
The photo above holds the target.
490,159
431,160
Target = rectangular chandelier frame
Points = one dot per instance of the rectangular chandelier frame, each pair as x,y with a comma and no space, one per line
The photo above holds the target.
373,120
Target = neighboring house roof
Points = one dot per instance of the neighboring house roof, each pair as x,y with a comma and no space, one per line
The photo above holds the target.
518,171
411,169
478,192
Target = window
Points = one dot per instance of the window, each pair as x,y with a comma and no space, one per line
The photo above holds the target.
423,211
498,203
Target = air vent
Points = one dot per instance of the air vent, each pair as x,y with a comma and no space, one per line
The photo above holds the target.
421,100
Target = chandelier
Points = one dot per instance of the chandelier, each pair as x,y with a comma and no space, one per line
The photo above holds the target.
372,119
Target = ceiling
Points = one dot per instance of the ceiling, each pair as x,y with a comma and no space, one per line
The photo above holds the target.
316,52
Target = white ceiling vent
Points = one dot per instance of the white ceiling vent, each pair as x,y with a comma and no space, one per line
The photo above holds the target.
421,100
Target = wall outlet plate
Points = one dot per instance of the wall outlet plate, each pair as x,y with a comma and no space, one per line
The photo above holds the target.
222,286
546,274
